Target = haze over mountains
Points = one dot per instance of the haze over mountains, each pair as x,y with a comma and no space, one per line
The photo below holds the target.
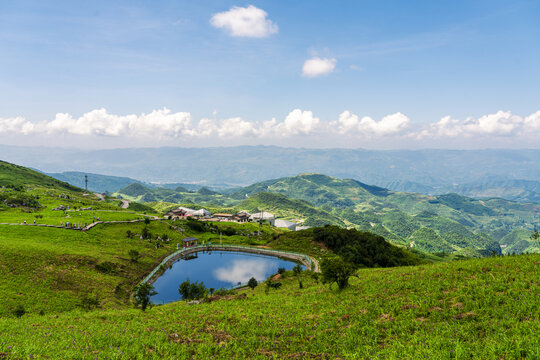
511,174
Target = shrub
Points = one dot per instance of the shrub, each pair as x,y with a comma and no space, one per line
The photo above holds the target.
134,255
223,292
195,225
143,292
106,267
297,269
19,311
281,270
89,302
252,283
192,290
336,270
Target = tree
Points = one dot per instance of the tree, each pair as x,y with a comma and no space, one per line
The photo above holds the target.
336,270
147,220
297,269
143,292
145,233
252,283
134,255
192,290
281,270
535,237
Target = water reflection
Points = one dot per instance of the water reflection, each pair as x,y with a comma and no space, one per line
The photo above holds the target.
216,270
240,271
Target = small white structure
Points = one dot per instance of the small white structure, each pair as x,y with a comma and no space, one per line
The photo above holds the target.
285,224
263,216
197,213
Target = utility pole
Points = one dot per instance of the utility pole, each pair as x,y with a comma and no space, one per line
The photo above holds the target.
86,183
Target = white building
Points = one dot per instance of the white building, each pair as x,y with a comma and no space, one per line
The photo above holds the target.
285,224
263,216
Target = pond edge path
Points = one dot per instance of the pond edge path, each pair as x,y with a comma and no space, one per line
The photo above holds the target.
309,262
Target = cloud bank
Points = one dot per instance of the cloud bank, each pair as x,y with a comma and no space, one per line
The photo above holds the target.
168,125
247,21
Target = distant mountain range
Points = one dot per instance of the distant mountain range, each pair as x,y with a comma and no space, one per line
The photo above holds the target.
441,223
107,183
511,174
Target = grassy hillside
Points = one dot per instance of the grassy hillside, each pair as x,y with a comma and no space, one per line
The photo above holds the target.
457,223
284,207
476,309
18,176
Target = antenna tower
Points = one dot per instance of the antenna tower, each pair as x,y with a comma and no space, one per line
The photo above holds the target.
86,182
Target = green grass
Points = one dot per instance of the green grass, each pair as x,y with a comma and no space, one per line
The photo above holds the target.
475,309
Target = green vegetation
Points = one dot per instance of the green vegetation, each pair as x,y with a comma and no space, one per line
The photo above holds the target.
143,293
192,290
69,294
451,223
481,309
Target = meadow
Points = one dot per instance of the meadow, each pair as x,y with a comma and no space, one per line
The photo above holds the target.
473,309
75,291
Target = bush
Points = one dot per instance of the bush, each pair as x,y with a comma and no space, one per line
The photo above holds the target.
89,302
252,283
19,311
297,269
281,270
106,267
134,255
195,225
192,290
223,292
143,292
336,270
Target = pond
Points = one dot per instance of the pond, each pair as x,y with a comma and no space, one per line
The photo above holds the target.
216,269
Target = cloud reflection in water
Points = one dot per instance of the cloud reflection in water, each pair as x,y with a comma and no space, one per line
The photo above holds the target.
243,270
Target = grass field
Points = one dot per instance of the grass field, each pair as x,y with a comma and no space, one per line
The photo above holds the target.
474,309
76,289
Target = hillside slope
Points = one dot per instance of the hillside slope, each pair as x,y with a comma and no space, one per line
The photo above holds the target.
471,309
20,176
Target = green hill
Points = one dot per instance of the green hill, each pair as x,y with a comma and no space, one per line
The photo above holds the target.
12,175
471,309
282,206
461,222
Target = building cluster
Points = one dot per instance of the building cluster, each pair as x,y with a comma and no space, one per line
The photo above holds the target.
240,217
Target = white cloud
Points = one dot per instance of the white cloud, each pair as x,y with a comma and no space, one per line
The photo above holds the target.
16,125
235,127
299,122
532,122
501,123
163,124
317,67
244,22
389,125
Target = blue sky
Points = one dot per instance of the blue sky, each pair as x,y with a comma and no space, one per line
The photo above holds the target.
382,75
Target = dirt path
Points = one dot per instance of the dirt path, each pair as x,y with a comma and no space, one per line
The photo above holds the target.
125,204
101,197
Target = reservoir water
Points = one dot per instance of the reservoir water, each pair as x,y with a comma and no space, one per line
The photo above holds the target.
216,269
